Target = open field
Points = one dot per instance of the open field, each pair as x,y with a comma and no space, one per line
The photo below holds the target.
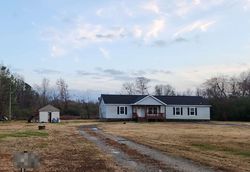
222,145
60,147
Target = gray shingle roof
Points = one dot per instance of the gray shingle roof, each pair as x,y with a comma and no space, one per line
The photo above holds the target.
49,108
169,100
183,100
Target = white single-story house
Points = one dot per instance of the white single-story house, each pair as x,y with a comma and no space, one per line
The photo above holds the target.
49,113
148,107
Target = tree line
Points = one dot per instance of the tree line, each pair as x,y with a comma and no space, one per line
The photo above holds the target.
19,100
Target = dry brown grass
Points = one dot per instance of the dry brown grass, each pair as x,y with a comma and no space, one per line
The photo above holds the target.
225,147
60,148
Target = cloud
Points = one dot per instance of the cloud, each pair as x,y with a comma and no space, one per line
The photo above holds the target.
180,40
85,73
156,27
246,5
105,53
139,73
196,2
99,12
137,31
78,36
159,43
57,51
46,71
152,6
157,71
113,72
106,74
163,43
197,25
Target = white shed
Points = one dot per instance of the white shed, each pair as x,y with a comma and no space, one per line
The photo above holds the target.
49,113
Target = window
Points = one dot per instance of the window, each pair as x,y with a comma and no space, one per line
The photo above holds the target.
155,110
150,110
177,110
122,110
192,111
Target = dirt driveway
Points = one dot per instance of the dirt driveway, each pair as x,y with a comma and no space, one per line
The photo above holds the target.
131,156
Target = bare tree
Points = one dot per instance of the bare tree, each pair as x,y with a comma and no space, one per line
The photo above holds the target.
188,92
166,90
63,92
141,84
199,92
244,83
234,85
43,91
217,87
129,88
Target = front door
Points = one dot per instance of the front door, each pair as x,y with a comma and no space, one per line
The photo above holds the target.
141,112
49,116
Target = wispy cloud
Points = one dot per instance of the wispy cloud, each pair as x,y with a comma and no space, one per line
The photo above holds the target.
197,25
137,31
105,53
152,6
99,12
157,26
184,7
42,71
246,5
57,51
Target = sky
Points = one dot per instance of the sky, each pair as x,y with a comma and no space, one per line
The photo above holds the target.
96,46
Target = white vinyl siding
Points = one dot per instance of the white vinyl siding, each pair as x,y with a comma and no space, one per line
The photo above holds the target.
199,112
113,113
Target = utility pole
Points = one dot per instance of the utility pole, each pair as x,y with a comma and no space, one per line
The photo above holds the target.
10,104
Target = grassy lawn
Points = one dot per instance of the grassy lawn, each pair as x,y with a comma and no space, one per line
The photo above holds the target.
225,146
60,147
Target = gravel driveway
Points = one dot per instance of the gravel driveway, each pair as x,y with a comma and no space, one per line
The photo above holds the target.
132,156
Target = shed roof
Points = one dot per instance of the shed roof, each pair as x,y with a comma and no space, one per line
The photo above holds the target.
169,100
49,108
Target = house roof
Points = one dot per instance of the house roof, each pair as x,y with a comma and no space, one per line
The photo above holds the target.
121,99
183,100
169,100
49,108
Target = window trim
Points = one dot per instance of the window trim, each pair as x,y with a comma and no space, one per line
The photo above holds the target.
119,110
179,111
155,110
150,110
193,111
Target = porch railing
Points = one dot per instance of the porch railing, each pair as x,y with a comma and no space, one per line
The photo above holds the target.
150,116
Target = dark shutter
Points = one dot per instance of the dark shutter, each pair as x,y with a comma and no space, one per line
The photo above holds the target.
126,110
118,110
173,110
188,110
196,111
181,111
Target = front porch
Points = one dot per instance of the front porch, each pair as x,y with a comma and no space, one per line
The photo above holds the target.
148,113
